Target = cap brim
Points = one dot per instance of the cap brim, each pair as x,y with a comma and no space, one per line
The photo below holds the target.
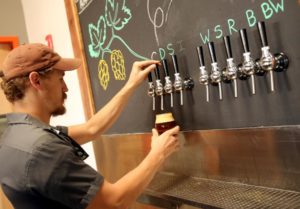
67,64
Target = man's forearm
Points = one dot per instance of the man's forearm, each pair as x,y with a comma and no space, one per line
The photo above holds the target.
123,193
130,186
103,119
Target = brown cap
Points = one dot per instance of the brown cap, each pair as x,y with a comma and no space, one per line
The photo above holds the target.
34,57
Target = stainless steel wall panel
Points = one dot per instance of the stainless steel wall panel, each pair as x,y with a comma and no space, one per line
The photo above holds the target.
248,168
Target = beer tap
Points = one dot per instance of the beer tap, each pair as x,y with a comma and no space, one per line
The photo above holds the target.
168,83
151,90
215,75
249,67
230,72
159,90
178,86
203,78
268,62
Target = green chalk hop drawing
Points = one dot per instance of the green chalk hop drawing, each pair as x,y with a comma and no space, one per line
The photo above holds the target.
117,15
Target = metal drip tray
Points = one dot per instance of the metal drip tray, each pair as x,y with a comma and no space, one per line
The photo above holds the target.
207,193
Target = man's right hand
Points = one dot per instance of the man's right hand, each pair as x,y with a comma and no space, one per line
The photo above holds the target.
140,71
124,192
166,143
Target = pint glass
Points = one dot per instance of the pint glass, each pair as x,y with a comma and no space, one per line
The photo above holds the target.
164,122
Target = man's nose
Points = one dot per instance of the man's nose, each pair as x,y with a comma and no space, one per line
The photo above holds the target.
65,87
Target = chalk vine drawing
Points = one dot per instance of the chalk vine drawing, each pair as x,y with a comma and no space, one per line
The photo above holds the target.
155,21
117,15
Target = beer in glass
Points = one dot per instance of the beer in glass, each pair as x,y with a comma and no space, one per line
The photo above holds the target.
164,122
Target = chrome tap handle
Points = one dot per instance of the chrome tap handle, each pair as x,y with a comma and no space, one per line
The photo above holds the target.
227,44
165,66
168,83
200,56
215,75
178,84
267,61
151,93
262,33
175,64
178,81
169,88
204,80
203,76
151,87
281,60
215,72
230,72
248,67
212,53
151,90
215,78
244,39
159,90
157,72
149,77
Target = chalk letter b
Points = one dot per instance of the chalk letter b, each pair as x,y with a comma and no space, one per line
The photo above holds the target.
251,18
266,9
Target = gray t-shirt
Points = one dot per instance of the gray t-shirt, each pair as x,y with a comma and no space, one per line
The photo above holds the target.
41,168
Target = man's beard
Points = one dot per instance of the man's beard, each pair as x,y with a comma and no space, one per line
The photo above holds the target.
59,111
62,109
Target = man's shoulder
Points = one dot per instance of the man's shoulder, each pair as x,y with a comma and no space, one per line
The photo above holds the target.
28,137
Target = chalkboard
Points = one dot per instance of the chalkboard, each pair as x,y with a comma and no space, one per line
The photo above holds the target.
116,33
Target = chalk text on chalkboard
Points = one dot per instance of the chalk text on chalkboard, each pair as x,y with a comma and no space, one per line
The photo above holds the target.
268,9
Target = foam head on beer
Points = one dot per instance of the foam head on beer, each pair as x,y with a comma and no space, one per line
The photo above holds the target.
164,121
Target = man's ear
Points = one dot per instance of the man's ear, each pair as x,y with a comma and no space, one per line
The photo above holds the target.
35,79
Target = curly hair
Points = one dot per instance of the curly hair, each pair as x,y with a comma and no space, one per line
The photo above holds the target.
14,89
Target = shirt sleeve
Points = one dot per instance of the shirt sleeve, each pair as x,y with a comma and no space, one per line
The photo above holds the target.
57,173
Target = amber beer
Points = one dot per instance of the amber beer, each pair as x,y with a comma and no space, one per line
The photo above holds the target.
164,122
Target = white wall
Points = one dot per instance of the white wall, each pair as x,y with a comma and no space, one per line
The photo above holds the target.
12,20
43,17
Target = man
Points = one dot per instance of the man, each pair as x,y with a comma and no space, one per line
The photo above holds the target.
42,166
